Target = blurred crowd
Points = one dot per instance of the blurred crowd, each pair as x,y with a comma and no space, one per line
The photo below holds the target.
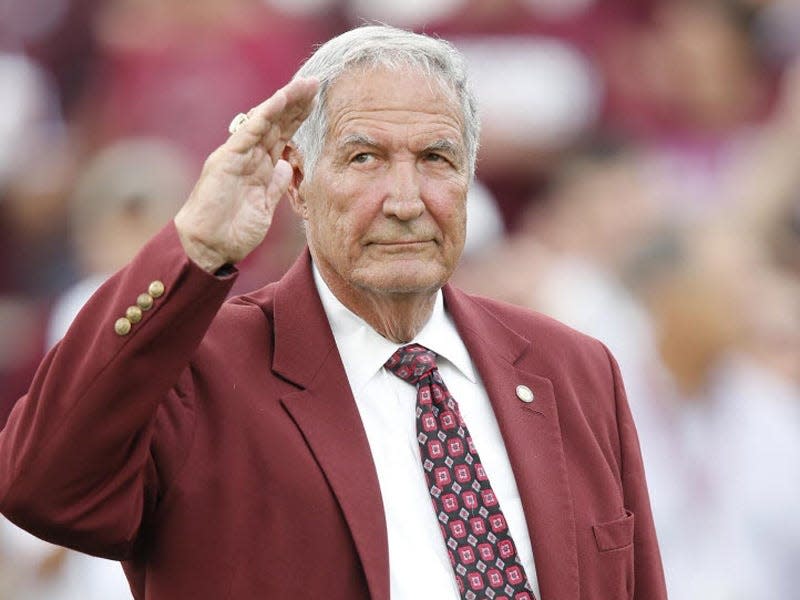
639,179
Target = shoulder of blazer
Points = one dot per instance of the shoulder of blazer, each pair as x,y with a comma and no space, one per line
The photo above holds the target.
534,326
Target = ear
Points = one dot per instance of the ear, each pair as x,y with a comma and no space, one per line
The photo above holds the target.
294,157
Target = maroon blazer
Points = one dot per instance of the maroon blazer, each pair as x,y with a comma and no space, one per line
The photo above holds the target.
218,451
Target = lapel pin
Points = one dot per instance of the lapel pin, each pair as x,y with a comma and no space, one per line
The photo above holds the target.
524,393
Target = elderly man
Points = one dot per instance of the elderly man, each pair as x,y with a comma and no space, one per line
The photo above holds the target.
359,429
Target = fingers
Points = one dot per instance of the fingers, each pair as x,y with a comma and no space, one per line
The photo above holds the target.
273,122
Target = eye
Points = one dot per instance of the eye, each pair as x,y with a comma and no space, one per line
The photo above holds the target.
361,158
437,159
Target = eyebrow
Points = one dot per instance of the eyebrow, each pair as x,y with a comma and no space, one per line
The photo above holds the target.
359,139
440,145
445,146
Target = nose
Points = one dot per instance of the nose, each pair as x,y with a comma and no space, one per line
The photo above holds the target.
403,200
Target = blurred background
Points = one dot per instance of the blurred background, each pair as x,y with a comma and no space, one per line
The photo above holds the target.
639,179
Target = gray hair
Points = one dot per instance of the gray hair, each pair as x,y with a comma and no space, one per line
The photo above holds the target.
374,46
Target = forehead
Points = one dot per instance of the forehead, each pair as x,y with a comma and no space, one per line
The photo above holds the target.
404,98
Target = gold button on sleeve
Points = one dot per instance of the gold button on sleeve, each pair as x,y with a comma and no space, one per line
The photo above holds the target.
133,314
122,326
156,289
144,301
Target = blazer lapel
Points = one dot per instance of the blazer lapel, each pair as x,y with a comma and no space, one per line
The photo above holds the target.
533,440
325,411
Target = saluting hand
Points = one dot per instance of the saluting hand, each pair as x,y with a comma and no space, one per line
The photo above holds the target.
232,204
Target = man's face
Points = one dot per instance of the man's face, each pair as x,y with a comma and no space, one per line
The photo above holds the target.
385,205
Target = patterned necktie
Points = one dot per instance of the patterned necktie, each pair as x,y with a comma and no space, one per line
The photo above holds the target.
482,553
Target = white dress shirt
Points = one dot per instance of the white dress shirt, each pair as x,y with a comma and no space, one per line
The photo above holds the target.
418,561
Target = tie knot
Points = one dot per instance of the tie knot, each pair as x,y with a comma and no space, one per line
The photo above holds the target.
412,362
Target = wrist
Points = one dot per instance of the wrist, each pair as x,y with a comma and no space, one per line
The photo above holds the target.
200,253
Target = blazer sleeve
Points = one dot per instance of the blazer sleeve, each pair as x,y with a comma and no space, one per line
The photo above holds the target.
76,464
649,583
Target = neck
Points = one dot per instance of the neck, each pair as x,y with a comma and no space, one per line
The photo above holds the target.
397,316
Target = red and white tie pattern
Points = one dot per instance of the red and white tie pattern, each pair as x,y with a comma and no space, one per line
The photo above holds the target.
482,553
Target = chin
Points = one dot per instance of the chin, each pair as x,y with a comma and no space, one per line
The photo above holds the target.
405,279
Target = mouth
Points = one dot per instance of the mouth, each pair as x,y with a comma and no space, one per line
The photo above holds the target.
409,243
402,245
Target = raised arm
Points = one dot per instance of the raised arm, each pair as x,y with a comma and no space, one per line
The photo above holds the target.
77,464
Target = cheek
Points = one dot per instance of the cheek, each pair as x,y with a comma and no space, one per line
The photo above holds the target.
355,208
344,219
448,206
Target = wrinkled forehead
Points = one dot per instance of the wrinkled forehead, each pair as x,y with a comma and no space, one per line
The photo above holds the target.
389,84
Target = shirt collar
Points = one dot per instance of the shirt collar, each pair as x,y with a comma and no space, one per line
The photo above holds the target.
364,351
